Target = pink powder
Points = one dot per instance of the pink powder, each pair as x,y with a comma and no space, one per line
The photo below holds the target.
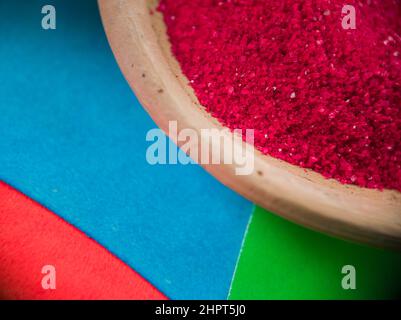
317,95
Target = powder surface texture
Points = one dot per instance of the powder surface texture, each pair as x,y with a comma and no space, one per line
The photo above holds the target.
318,96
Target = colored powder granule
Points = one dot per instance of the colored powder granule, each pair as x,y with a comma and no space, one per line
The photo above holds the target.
318,95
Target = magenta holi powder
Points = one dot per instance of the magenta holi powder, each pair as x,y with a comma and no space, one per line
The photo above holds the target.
318,96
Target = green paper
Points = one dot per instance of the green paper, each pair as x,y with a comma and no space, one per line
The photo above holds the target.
281,260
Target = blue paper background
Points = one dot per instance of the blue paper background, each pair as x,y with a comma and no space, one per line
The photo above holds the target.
72,137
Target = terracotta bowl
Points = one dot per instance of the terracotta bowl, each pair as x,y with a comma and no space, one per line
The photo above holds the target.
141,47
